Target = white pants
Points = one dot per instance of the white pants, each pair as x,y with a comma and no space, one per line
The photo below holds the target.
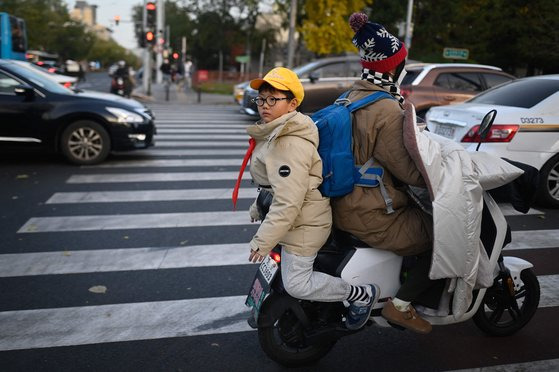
301,282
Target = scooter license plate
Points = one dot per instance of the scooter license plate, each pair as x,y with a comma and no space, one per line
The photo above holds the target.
262,284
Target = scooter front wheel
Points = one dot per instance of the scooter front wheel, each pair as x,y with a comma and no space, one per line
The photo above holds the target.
285,342
501,314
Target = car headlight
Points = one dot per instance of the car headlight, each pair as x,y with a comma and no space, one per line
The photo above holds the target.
124,116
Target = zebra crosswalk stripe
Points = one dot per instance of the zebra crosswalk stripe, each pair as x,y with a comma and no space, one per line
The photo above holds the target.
208,144
134,221
121,259
189,152
200,130
210,136
29,329
170,163
155,177
136,196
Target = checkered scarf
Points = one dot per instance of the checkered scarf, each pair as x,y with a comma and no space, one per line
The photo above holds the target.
384,81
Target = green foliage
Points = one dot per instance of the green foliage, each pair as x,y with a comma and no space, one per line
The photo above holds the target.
520,36
50,28
108,52
325,29
216,88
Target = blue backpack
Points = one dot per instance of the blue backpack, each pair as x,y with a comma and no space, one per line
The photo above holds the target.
339,172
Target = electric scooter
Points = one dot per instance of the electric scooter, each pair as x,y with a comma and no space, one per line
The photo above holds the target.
296,332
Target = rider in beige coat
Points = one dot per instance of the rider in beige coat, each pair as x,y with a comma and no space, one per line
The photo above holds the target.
285,161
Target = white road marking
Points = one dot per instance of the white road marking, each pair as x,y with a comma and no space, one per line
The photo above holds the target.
200,130
134,221
533,366
184,152
219,144
534,239
30,329
136,196
234,162
123,259
200,125
156,177
223,137
508,210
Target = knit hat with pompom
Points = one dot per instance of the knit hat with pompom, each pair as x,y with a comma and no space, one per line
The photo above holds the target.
379,50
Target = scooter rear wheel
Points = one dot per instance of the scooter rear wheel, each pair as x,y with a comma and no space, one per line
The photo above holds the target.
285,343
497,315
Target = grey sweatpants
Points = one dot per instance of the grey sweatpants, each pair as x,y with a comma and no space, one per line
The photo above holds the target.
301,282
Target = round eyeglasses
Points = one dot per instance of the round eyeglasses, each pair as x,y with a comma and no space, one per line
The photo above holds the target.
270,100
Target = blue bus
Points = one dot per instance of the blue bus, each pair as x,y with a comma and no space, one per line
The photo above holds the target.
13,37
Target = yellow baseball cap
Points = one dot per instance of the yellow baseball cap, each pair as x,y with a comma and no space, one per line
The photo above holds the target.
283,79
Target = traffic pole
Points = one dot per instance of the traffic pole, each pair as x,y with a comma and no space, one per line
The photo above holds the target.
160,26
291,39
146,76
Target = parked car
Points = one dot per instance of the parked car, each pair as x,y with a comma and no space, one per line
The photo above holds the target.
526,127
64,80
50,66
239,90
35,111
324,80
439,84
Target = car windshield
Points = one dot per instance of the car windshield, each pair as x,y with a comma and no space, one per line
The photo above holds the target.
524,93
301,70
38,79
410,76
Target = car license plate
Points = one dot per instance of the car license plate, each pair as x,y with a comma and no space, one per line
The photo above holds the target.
445,130
262,284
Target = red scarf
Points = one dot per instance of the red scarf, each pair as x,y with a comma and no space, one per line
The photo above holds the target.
251,145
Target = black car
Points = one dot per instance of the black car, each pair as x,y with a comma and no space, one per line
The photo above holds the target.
35,111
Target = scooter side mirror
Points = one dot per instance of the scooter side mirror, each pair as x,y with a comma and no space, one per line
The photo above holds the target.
485,126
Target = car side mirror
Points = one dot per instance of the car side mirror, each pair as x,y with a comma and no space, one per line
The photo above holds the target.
24,90
485,126
314,76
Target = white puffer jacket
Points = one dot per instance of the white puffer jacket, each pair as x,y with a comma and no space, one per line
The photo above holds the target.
456,180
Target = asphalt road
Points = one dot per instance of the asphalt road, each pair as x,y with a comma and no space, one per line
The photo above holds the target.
140,264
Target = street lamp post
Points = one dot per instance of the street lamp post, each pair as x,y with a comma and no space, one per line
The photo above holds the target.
408,24
291,40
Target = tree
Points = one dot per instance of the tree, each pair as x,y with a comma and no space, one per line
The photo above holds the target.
109,51
325,29
50,28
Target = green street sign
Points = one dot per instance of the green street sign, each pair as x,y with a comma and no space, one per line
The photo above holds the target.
454,53
242,59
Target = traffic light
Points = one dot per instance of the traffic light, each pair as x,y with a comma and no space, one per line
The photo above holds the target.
175,55
117,19
151,14
150,37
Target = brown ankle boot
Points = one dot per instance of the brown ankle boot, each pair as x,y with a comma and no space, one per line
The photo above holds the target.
407,319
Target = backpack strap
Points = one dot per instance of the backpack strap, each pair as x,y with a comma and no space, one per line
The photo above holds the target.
365,101
342,99
372,177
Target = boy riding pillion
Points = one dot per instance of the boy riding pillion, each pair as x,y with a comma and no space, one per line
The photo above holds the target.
286,163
